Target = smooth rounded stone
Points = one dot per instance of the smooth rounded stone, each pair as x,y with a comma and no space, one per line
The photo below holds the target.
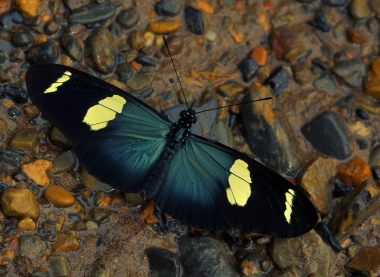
168,7
20,177
72,47
76,4
28,8
136,40
37,171
99,197
204,256
354,209
64,162
351,71
359,9
5,45
325,83
279,81
231,89
134,199
99,214
125,72
175,45
362,114
19,202
288,252
3,126
60,139
211,36
22,39
10,159
92,182
101,52
25,139
45,52
3,58
249,69
328,134
53,28
31,246
143,78
320,22
64,243
366,261
334,3
101,269
251,266
316,181
164,27
145,61
92,14
17,94
10,19
374,159
268,132
163,262
60,266
128,18
100,243
26,224
16,56
372,80
194,20
59,196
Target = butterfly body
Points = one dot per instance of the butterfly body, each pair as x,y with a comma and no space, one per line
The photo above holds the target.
127,144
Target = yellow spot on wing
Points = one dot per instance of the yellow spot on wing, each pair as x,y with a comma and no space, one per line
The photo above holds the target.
289,195
98,116
240,183
54,86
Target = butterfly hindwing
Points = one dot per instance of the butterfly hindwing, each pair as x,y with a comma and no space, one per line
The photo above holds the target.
213,186
117,137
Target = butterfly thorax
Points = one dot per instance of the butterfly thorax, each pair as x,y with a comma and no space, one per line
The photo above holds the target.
182,128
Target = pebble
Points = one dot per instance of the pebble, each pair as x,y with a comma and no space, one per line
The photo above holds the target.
19,202
28,8
136,40
65,242
320,22
325,83
22,39
124,72
72,47
163,262
260,54
64,162
101,51
372,80
92,14
60,139
60,265
92,182
164,28
194,20
249,69
145,61
250,266
231,89
31,246
59,196
211,36
328,135
5,45
16,56
334,3
5,7
143,78
356,36
359,9
356,172
53,28
168,7
175,45
302,72
316,180
26,224
9,159
351,71
202,255
366,261
102,269
279,81
17,94
342,189
128,18
45,52
37,171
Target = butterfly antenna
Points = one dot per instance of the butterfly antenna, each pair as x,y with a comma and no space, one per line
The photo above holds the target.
179,81
257,100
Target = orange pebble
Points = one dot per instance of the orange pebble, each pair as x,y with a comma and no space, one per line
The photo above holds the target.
105,202
152,14
205,7
260,54
256,84
136,66
41,38
355,172
148,210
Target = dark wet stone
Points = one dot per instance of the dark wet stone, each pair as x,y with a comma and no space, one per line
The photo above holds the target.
374,159
351,71
25,139
22,39
363,144
354,209
101,269
342,189
60,265
143,78
325,83
16,56
241,254
34,21
19,176
64,162
62,21
320,22
334,3
10,19
5,45
99,214
251,266
145,61
268,132
13,111
125,72
326,234
74,217
59,139
204,256
17,94
45,52
376,172
100,243
128,18
3,58
362,114
31,246
72,47
249,69
101,51
92,14
163,262
54,6
52,28
194,20
168,7
279,81
328,135
76,4
9,159
175,45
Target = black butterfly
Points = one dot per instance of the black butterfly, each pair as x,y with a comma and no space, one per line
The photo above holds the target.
127,144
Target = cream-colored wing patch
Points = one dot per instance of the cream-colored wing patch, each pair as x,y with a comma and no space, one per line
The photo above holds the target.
98,116
240,183
289,196
54,86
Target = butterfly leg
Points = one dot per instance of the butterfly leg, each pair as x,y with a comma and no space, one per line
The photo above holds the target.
162,224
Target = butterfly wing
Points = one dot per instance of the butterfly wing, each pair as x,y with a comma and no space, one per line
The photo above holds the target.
212,186
117,137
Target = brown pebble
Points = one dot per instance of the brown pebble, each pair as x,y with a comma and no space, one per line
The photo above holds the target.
357,37
65,242
367,259
26,224
37,171
28,8
25,140
372,81
59,196
3,126
147,210
164,28
19,202
175,45
355,172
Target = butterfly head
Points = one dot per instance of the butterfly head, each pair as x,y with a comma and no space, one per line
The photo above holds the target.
187,118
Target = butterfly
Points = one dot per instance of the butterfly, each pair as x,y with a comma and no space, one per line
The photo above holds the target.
132,147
